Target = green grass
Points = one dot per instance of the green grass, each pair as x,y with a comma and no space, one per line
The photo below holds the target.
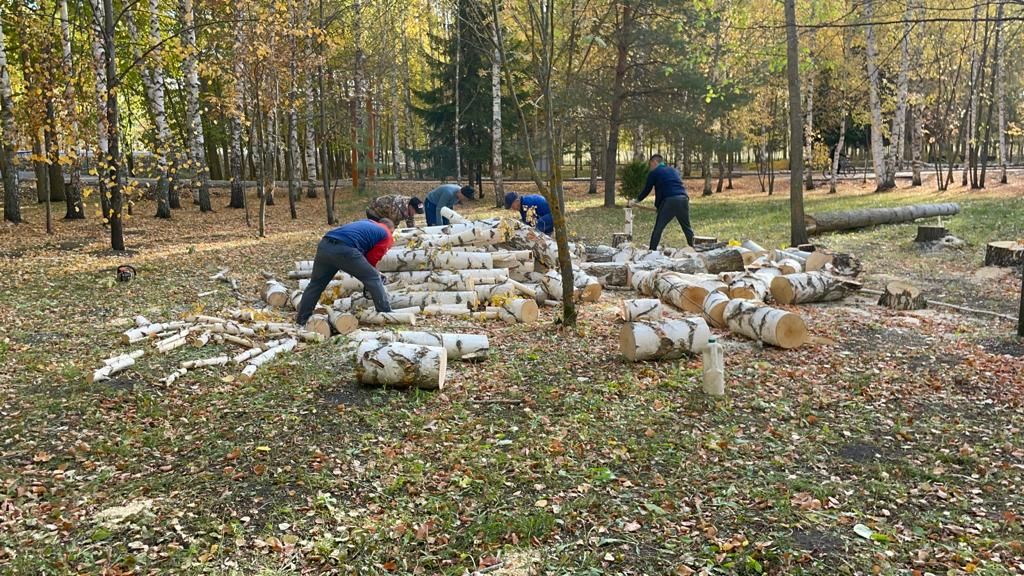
600,468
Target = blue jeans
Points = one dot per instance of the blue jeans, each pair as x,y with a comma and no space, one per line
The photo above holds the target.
433,214
546,224
677,207
331,256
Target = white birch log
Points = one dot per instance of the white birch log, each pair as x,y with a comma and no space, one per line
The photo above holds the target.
522,310
119,364
714,309
202,340
295,299
282,348
769,325
752,246
275,294
250,353
373,317
401,364
319,324
248,372
420,299
141,322
243,342
607,273
402,260
586,288
173,376
457,346
214,361
342,322
446,310
666,340
790,266
644,309
753,286
808,287
342,283
134,355
142,333
453,216
413,277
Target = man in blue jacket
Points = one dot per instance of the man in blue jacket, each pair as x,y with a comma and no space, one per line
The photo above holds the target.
533,210
669,198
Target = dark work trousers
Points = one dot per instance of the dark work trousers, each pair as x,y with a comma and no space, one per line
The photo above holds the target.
331,256
433,213
677,207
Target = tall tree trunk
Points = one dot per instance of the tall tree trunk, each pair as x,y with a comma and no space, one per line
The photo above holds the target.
396,165
114,128
73,192
798,229
270,142
311,148
102,114
916,138
371,139
880,157
705,170
458,90
899,121
1001,93
55,176
497,163
237,117
595,159
193,110
638,143
325,168
622,42
357,96
837,155
809,133
12,198
291,162
973,90
991,96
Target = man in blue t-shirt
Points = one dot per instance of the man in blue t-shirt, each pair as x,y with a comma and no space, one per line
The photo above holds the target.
533,210
445,195
669,198
354,248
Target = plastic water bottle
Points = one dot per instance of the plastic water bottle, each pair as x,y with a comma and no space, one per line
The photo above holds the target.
714,369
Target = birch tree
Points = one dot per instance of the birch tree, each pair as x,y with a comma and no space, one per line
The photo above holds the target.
496,137
798,229
73,194
12,202
193,106
899,121
884,178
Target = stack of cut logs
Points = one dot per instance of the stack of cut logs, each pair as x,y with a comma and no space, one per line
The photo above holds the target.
725,288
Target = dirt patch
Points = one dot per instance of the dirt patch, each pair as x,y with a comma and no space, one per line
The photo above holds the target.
121,384
348,394
817,542
860,452
1012,346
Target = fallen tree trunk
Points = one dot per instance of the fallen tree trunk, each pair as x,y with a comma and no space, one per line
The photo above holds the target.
1005,254
420,299
414,277
457,346
769,325
666,340
374,317
607,273
902,296
644,309
401,364
722,260
833,221
453,216
809,287
714,309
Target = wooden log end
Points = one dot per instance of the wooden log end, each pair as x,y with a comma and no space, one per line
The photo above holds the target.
1005,254
782,290
902,296
791,331
627,342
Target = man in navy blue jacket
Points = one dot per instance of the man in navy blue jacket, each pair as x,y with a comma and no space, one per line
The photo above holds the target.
669,198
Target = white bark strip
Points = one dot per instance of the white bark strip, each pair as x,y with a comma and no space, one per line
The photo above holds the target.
372,317
193,111
215,361
453,216
769,325
457,346
666,340
645,309
586,288
410,260
420,299
808,287
401,364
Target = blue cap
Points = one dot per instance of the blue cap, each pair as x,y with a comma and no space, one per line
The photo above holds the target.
510,197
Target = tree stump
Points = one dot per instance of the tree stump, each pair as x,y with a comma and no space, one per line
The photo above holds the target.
619,238
701,240
1007,254
902,296
930,234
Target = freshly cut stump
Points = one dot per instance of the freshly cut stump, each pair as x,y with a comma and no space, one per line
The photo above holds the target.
666,340
641,309
808,287
714,309
1005,254
769,325
400,364
902,296
930,234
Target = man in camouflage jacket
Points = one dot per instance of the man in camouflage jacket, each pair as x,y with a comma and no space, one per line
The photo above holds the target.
396,208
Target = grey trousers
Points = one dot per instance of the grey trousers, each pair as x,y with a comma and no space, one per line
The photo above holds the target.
677,207
332,256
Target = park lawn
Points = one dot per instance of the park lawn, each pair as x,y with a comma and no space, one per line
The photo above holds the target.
897,448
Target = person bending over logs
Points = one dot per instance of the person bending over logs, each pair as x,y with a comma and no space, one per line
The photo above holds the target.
670,199
445,195
354,248
395,207
533,209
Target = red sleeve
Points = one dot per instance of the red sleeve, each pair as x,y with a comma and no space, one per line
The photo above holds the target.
379,249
